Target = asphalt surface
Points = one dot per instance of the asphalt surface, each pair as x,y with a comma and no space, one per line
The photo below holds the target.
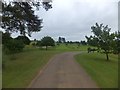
63,71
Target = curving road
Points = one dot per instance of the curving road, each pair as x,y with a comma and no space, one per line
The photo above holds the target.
63,72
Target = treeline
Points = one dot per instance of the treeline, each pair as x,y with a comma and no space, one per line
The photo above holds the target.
74,42
63,40
14,45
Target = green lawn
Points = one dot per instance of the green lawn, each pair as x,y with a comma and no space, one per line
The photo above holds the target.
19,73
105,73
71,47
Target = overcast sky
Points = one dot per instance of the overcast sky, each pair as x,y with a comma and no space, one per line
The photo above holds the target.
73,19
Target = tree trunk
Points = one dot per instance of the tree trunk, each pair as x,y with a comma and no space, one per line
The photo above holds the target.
107,56
46,47
98,49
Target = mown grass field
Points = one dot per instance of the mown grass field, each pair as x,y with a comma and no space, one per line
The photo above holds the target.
73,47
21,68
104,73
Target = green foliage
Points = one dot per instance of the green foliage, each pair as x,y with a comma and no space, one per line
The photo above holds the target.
47,41
20,16
39,43
92,41
102,38
116,43
24,39
13,46
5,38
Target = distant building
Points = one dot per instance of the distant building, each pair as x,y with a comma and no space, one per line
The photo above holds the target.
61,40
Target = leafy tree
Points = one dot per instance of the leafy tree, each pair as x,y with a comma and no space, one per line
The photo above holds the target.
102,38
38,43
5,37
93,41
14,46
47,41
20,17
116,43
24,39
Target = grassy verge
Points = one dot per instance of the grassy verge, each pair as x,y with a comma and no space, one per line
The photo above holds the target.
18,73
104,73
71,47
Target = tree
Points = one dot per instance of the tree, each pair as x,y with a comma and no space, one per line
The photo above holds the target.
39,43
83,42
102,38
93,41
47,41
24,39
116,43
20,17
5,37
14,46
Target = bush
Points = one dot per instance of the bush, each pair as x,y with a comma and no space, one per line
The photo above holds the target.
14,46
24,39
6,38
38,43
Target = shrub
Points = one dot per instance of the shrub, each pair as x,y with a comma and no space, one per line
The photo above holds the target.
24,39
14,46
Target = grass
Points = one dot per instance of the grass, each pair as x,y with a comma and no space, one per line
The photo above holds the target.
19,73
71,47
105,73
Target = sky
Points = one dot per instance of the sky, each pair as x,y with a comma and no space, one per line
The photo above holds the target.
73,19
